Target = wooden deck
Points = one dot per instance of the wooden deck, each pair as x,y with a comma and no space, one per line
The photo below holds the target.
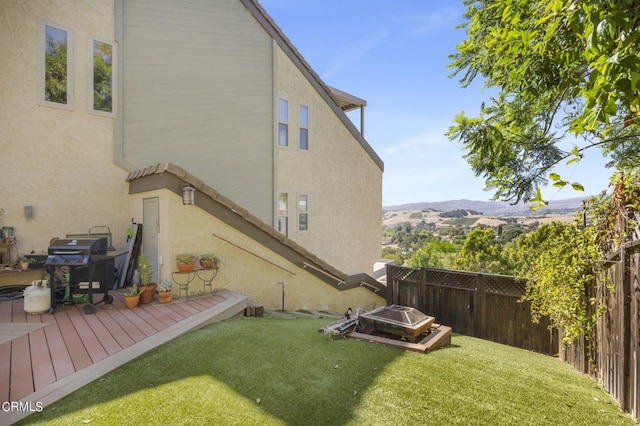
45,357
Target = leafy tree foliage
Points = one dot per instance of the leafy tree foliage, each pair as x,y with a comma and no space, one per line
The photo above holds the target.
55,80
560,276
480,252
436,253
103,78
561,67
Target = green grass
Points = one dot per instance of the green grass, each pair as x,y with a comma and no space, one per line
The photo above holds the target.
272,371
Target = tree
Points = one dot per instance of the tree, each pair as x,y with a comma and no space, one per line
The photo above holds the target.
435,253
562,68
55,80
480,252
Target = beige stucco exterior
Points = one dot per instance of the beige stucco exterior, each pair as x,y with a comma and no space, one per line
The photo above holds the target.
343,183
60,161
56,160
247,267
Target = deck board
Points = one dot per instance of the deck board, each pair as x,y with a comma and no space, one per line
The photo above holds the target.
70,348
43,373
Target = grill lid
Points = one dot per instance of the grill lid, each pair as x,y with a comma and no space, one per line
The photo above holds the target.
87,246
75,252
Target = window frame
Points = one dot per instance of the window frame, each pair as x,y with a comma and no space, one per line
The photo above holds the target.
283,124
282,217
114,77
42,50
303,127
303,212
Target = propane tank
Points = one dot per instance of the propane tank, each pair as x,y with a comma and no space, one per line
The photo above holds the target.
37,298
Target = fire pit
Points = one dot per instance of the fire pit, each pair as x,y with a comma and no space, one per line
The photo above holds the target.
402,321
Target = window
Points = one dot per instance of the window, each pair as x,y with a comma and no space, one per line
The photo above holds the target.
303,212
102,82
304,127
283,122
55,66
283,213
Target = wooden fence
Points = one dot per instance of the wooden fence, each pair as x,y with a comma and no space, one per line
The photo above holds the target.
612,353
479,305
487,306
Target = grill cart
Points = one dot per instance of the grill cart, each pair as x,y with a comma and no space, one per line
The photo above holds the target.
90,269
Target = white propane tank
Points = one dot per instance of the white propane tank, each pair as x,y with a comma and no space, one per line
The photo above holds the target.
37,298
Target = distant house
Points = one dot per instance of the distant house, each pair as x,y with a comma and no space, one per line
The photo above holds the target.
109,108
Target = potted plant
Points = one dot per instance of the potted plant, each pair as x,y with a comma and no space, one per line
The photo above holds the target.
209,260
146,271
132,296
164,291
186,262
24,262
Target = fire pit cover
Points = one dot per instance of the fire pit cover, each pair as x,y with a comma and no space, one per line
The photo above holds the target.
397,320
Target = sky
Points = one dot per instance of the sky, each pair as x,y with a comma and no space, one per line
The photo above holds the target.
394,55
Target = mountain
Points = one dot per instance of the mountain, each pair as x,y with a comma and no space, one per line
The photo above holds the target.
494,208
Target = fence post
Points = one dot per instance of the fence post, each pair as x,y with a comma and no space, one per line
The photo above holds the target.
478,303
626,325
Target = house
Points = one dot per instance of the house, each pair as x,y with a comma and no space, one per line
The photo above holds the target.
109,108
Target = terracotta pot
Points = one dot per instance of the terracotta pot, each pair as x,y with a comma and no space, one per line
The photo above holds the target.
148,293
164,296
207,264
186,267
132,301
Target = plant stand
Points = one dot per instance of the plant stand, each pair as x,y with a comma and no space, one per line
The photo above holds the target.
207,276
182,280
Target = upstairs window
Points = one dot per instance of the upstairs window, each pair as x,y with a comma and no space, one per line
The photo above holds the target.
283,122
102,82
55,66
283,213
304,127
303,212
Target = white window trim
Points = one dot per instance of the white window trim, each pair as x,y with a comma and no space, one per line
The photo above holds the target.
301,212
300,126
41,65
283,122
114,78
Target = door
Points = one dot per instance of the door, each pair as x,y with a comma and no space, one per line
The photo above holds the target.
151,235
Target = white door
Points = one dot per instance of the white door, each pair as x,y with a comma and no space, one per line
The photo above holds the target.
151,234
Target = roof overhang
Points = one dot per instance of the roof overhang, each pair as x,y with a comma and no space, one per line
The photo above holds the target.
346,101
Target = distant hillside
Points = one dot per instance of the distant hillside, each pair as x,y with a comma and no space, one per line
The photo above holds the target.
494,208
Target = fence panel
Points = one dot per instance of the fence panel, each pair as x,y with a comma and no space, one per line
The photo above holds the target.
480,305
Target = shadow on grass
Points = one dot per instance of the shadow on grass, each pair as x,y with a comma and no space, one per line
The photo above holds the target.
244,370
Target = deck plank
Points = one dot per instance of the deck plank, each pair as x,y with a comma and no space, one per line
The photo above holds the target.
5,352
123,339
127,324
41,364
92,345
72,340
62,363
21,373
160,317
108,342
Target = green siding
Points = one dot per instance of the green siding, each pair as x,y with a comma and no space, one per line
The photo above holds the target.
197,91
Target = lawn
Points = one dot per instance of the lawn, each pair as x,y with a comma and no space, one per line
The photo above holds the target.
276,371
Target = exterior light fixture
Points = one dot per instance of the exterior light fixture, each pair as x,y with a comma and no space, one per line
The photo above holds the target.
188,195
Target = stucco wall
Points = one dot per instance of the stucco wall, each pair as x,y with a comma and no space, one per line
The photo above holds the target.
58,161
343,183
249,270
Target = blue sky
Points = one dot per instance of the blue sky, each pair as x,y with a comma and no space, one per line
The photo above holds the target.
394,54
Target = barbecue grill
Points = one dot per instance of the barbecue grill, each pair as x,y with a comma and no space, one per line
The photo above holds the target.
82,257
397,320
